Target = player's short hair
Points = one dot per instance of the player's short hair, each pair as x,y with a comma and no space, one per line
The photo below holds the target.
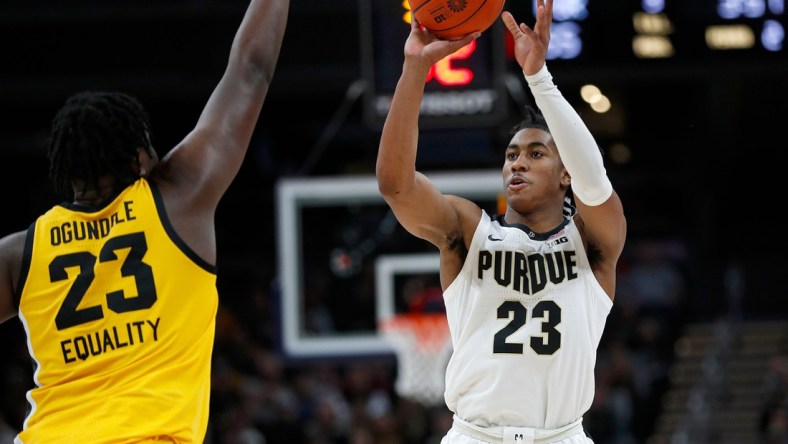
97,134
532,118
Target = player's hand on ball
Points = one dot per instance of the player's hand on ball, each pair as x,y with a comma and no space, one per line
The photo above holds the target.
424,45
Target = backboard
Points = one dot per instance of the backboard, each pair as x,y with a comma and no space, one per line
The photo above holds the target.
345,263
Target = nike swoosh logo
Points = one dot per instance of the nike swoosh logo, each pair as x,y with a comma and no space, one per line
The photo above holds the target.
493,238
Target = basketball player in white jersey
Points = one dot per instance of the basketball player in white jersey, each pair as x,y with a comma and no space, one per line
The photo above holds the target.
528,292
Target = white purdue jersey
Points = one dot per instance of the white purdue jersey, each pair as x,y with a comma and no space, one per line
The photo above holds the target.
526,315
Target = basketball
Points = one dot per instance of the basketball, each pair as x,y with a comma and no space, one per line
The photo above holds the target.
452,19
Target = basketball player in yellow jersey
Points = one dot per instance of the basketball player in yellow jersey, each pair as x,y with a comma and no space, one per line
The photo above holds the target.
116,288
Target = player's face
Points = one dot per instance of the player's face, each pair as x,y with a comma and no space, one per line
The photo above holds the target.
532,169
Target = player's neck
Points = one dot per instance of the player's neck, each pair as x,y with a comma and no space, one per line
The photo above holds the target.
538,222
93,194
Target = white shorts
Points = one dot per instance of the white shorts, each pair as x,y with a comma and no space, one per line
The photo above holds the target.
463,432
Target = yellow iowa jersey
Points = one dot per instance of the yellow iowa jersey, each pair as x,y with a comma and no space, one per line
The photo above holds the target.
120,317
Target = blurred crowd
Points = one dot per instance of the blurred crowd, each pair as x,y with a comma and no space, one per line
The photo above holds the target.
774,414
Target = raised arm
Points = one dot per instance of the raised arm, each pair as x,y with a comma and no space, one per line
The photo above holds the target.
204,164
418,204
599,206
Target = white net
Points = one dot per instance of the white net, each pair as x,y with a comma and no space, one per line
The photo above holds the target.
422,344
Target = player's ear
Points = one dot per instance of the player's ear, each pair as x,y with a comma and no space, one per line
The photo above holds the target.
146,160
566,179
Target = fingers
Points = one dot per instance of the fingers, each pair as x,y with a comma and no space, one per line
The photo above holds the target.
510,23
544,15
514,28
539,9
527,31
548,12
457,44
414,24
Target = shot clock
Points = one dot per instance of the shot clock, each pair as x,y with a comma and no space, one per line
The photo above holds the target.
464,89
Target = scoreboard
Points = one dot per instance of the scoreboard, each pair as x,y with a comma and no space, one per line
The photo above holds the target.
468,88
673,30
463,89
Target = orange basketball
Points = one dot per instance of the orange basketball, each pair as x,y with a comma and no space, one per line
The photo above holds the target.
452,19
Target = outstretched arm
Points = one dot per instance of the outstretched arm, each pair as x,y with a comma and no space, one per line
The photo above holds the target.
417,203
599,206
204,164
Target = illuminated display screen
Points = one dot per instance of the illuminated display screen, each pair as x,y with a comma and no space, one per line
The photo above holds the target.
632,36
463,89
754,27
680,30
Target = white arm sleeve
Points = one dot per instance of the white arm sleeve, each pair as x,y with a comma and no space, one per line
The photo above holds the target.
578,149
